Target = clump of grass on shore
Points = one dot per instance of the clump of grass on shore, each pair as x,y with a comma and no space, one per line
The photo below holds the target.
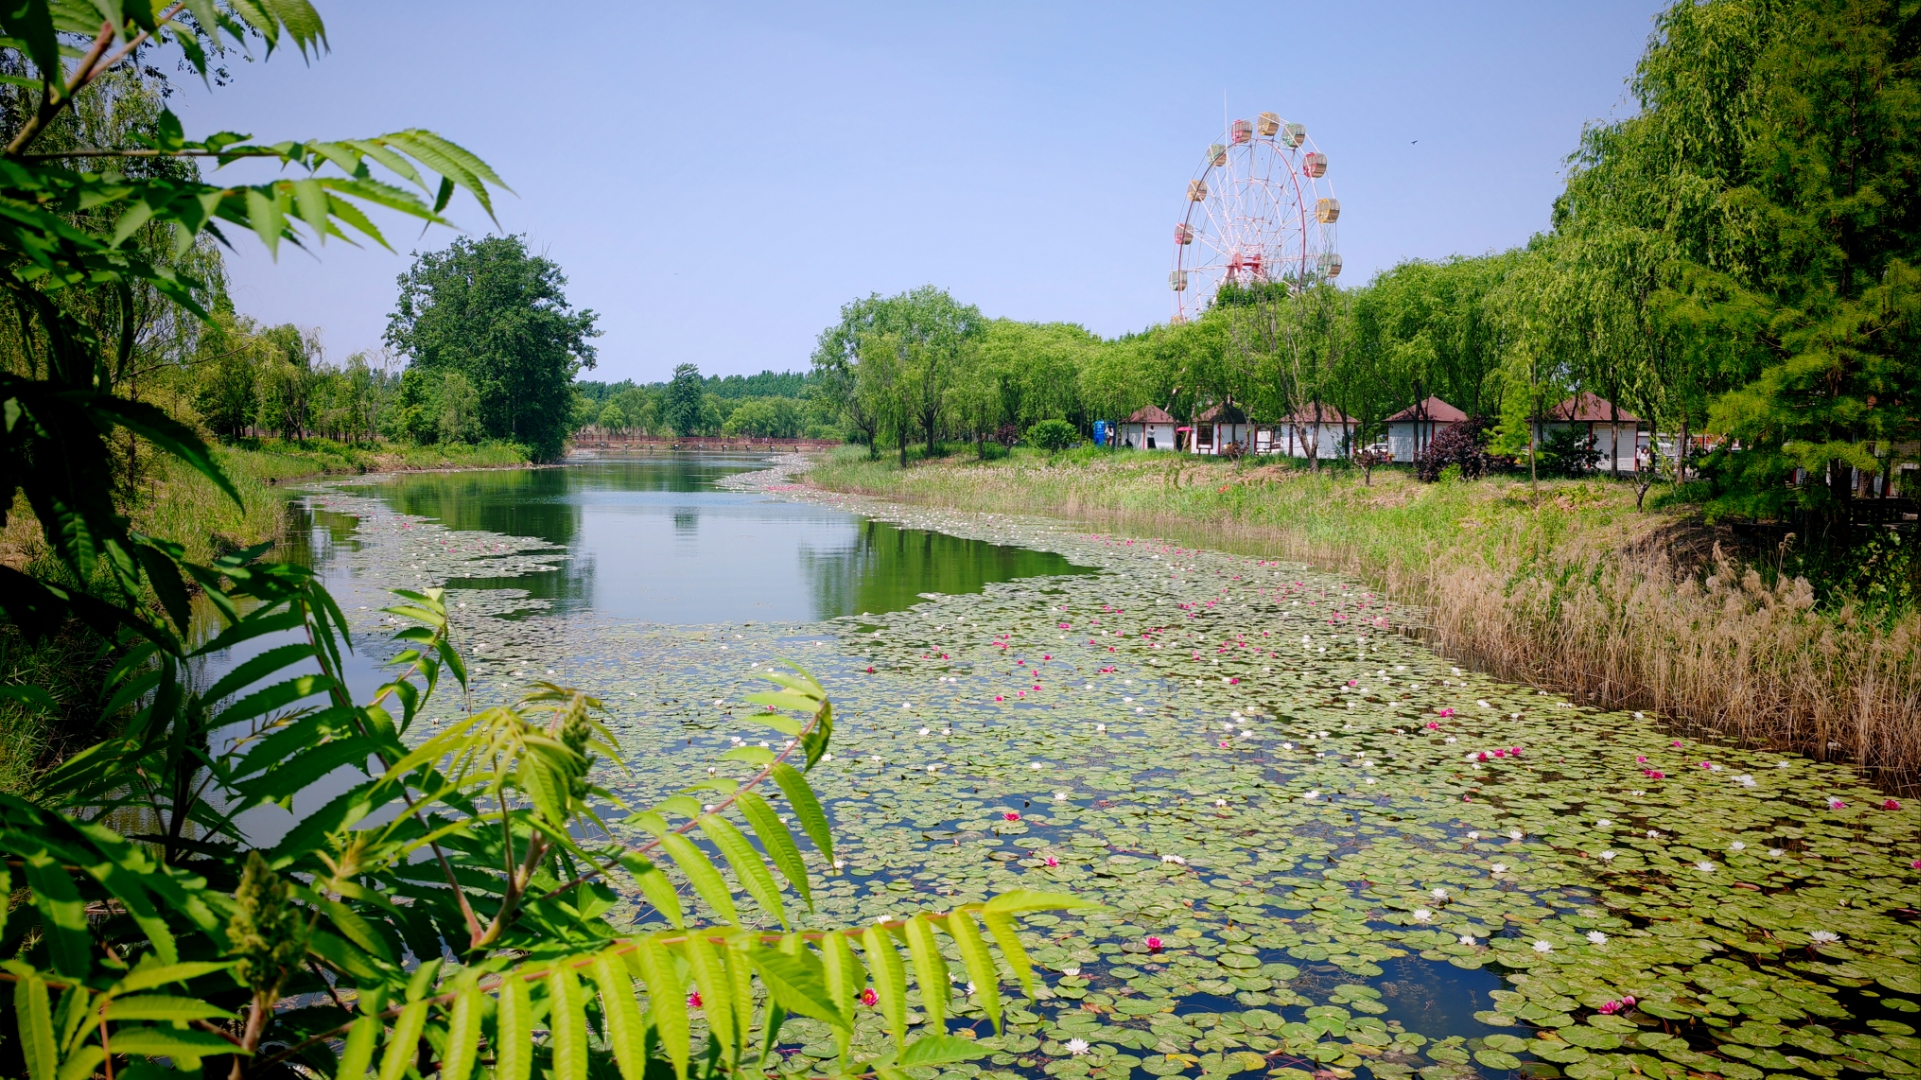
1576,590
182,505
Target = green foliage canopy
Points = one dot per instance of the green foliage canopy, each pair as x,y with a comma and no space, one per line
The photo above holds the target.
497,314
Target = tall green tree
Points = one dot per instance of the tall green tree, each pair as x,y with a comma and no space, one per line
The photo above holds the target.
498,314
683,404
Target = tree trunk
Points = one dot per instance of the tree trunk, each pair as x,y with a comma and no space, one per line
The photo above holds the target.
1614,440
1681,453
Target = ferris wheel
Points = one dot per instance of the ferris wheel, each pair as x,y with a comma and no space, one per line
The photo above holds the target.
1259,210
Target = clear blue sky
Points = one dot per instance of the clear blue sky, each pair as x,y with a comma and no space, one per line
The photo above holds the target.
716,179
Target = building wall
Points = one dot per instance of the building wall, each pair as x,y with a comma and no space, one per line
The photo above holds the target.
1405,438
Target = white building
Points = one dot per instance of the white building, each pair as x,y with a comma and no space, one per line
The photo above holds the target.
1220,425
1612,432
1413,428
1322,427
1150,428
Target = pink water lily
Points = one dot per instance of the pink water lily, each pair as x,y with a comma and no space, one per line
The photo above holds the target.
1837,804
1153,944
1446,712
1011,816
868,997
1891,804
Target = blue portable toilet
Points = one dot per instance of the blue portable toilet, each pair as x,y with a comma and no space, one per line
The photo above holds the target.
1100,433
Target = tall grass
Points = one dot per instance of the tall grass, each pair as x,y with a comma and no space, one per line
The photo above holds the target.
1577,590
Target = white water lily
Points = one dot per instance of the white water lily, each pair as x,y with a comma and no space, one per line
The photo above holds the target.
1060,796
926,731
1076,1047
1544,946
1737,846
1498,868
1474,836
1175,859
1824,937
1220,802
1704,866
1467,939
1777,852
1607,856
1287,746
1035,765
1654,834
1746,780
1422,915
1515,834
1100,727
840,864
1450,739
1484,705
1312,795
1602,823
1438,894
1070,972
1595,937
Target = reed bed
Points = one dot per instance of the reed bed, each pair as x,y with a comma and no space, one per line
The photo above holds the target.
1574,591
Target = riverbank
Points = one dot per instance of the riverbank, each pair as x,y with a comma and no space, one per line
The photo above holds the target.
184,506
1579,592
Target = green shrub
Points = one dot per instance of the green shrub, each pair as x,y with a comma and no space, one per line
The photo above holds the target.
1053,435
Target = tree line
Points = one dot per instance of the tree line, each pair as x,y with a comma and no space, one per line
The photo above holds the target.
779,405
1735,264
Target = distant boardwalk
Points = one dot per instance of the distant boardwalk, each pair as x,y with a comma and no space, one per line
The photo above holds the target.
657,444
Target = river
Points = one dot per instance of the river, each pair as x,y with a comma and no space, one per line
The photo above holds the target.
1323,847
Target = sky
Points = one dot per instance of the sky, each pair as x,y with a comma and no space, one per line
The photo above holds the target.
716,179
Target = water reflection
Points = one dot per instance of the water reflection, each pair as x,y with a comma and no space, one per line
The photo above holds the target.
655,539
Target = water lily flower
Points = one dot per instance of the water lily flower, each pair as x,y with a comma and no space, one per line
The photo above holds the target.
694,999
1498,868
1011,816
1654,834
1052,862
1484,705
1433,725
1607,856
1422,915
1778,852
1609,1008
840,863
1746,780
1474,836
1060,796
1836,804
1595,937
1543,947
1467,939
1438,894
1450,740
1076,1047
1824,937
1175,859
1446,712
1100,727
1640,759
1070,972
926,731
1036,765
1737,846
868,997
1704,866
1602,823
1514,834
1153,944
1628,1001
1311,796
1220,802
1891,804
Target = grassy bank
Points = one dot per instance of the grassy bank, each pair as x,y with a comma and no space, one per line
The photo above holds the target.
1578,591
177,504
181,505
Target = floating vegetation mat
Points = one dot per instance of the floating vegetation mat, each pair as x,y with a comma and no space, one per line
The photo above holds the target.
1325,850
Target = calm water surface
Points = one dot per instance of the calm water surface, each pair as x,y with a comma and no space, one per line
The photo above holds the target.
656,540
